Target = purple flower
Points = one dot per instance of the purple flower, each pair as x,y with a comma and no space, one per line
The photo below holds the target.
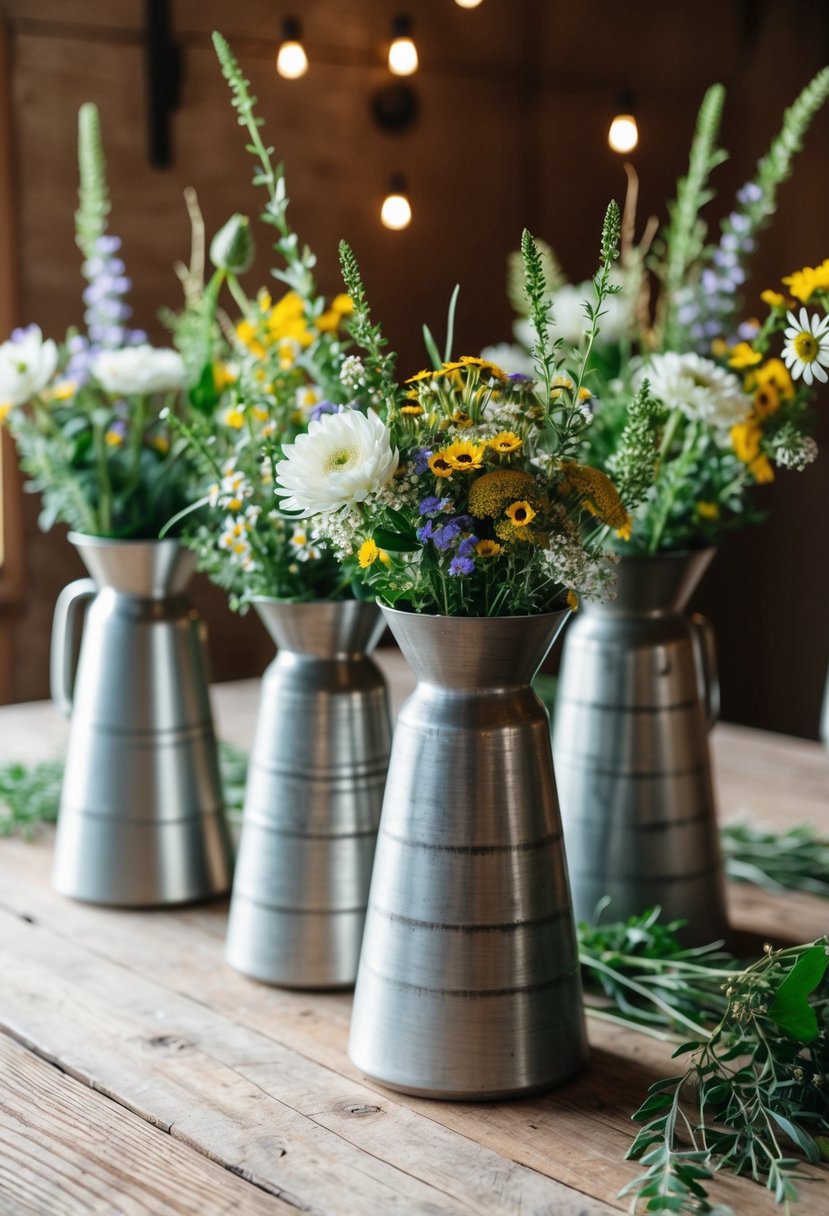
443,538
749,193
107,245
432,505
519,378
426,531
420,459
461,565
324,407
467,546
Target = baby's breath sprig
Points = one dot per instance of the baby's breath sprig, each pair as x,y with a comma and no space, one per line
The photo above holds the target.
93,195
379,372
685,237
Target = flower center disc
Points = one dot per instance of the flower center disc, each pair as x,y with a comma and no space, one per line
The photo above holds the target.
805,348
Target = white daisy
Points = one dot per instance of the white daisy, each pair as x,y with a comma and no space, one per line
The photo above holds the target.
699,388
340,461
138,369
806,352
27,364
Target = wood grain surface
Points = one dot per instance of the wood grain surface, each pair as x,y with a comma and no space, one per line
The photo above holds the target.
135,1064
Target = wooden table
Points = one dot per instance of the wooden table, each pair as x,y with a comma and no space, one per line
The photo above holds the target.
140,1074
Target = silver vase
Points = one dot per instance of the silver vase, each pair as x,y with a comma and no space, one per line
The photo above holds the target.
635,699
312,802
141,819
469,984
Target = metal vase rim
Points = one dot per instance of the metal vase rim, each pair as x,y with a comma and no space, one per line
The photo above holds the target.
326,629
150,569
650,584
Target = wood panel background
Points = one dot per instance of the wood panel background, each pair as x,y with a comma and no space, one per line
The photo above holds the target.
515,99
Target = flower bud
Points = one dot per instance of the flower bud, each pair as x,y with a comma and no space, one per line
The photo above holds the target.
232,247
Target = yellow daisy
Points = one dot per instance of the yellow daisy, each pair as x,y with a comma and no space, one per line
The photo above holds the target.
488,548
520,514
505,441
439,465
744,355
463,455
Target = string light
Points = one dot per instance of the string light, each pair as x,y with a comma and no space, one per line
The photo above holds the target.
396,212
402,52
623,135
468,3
291,60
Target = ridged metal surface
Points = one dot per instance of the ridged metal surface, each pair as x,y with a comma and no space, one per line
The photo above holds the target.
141,819
468,984
635,697
312,804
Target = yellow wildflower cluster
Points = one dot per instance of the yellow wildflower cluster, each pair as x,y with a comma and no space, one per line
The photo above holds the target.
492,493
597,494
746,438
285,326
804,283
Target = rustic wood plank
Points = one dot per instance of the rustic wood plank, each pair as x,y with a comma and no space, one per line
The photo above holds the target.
67,1151
578,1134
284,1121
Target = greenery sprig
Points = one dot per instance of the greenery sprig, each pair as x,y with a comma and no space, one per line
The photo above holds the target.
537,293
793,860
93,195
379,372
632,463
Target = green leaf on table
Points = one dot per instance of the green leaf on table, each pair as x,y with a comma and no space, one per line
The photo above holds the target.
791,1010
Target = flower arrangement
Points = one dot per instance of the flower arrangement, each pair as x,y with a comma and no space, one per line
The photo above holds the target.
467,497
718,403
90,416
257,383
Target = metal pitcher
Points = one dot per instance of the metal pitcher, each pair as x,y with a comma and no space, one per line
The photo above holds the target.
636,697
313,796
468,985
141,819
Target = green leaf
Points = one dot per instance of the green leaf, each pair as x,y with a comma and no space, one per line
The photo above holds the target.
431,347
790,1010
393,541
801,1138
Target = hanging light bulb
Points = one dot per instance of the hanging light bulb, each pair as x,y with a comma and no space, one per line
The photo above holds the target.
623,135
468,3
396,212
402,52
291,60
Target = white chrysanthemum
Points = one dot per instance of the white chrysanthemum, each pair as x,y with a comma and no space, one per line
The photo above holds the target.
27,364
138,370
342,459
699,388
806,352
510,357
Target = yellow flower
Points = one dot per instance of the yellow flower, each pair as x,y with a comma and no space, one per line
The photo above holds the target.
439,465
558,383
774,299
626,530
520,534
572,600
223,374
289,308
584,394
490,493
505,441
424,375
287,349
113,439
343,304
766,400
597,493
775,373
234,418
708,510
411,411
464,455
461,419
63,390
803,283
368,554
746,437
744,355
719,348
520,514
488,548
161,444
328,321
5,410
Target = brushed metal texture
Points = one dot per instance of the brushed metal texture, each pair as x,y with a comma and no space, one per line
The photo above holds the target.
630,740
313,796
468,985
141,820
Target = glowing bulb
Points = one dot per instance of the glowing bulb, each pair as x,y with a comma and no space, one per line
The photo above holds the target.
403,57
291,60
468,3
402,52
623,135
396,212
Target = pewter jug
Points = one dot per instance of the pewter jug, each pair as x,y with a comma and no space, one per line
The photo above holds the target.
141,819
312,801
468,985
635,699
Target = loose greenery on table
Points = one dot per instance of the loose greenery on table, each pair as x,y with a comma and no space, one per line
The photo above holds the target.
750,1094
793,860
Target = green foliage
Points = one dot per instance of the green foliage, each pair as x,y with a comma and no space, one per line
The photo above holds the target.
554,276
685,236
633,458
538,299
379,371
93,196
795,860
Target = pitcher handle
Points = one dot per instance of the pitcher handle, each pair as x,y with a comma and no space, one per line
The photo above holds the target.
705,655
62,660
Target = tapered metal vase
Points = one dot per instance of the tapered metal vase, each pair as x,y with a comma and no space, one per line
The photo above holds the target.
468,985
141,819
313,797
635,699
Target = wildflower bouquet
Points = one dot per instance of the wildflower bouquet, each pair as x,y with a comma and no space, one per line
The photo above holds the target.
256,383
89,416
720,402
468,497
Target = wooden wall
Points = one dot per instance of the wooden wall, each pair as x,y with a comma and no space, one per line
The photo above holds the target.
515,99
